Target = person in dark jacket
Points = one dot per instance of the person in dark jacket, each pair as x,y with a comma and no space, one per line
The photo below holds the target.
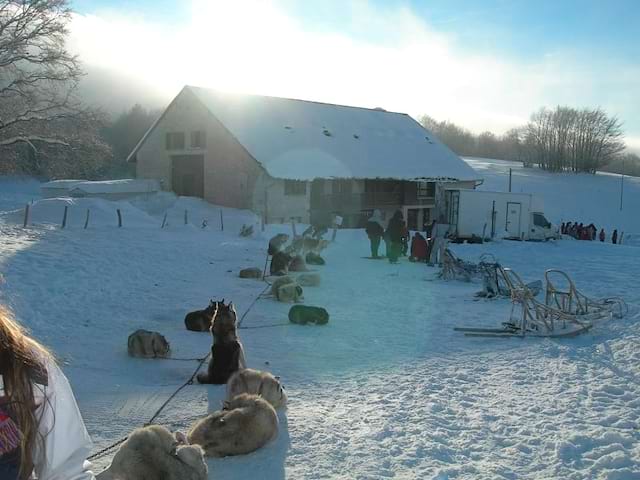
614,236
394,236
602,236
375,230
563,228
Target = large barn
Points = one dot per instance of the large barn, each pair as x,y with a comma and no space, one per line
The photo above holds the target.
294,159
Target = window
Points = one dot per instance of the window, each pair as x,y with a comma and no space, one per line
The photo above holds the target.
539,220
426,189
295,187
175,140
199,139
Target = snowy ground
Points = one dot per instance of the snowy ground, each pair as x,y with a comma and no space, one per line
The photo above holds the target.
386,389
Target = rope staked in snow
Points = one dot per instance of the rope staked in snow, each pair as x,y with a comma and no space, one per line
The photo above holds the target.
104,451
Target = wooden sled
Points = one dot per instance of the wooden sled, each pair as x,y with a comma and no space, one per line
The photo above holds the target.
529,317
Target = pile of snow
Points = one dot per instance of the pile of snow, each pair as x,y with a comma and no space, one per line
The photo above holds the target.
58,188
124,186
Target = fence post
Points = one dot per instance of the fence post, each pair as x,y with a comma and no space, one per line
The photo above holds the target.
164,220
119,218
186,217
86,220
262,222
26,216
64,217
221,221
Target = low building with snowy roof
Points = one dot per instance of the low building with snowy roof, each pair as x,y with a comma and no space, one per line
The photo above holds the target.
295,159
115,189
58,188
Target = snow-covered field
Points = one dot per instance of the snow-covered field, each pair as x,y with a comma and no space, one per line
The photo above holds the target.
387,389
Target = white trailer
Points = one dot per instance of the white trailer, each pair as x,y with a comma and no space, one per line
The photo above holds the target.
481,214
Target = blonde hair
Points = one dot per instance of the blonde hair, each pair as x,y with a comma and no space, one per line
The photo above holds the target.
21,360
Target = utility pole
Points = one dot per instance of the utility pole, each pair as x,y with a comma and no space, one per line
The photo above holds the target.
510,180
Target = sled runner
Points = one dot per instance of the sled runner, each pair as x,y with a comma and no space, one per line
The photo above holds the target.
529,317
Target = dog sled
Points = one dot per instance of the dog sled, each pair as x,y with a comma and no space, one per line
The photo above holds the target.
454,268
565,313
571,300
493,276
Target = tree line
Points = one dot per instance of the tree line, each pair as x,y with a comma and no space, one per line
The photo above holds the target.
46,128
558,140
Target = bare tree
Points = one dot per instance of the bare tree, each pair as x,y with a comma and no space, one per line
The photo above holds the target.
39,107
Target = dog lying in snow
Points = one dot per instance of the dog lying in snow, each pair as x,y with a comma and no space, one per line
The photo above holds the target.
285,289
259,383
146,344
290,293
308,280
153,453
246,423
252,272
200,320
227,353
313,258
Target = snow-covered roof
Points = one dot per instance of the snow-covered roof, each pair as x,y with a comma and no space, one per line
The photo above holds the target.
298,139
128,185
66,184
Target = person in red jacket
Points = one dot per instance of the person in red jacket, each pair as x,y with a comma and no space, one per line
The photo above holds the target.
418,248
602,236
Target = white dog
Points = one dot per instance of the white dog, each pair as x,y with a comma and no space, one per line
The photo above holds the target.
153,453
308,279
256,382
246,423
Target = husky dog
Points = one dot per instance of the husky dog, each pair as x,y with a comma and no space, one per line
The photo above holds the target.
246,230
245,424
153,453
308,279
257,383
291,292
285,289
279,282
280,263
200,320
252,272
224,322
146,344
313,258
227,353
276,243
297,264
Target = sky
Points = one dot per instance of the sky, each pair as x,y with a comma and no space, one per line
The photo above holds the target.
483,65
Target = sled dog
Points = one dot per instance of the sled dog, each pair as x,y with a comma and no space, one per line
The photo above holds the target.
256,382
